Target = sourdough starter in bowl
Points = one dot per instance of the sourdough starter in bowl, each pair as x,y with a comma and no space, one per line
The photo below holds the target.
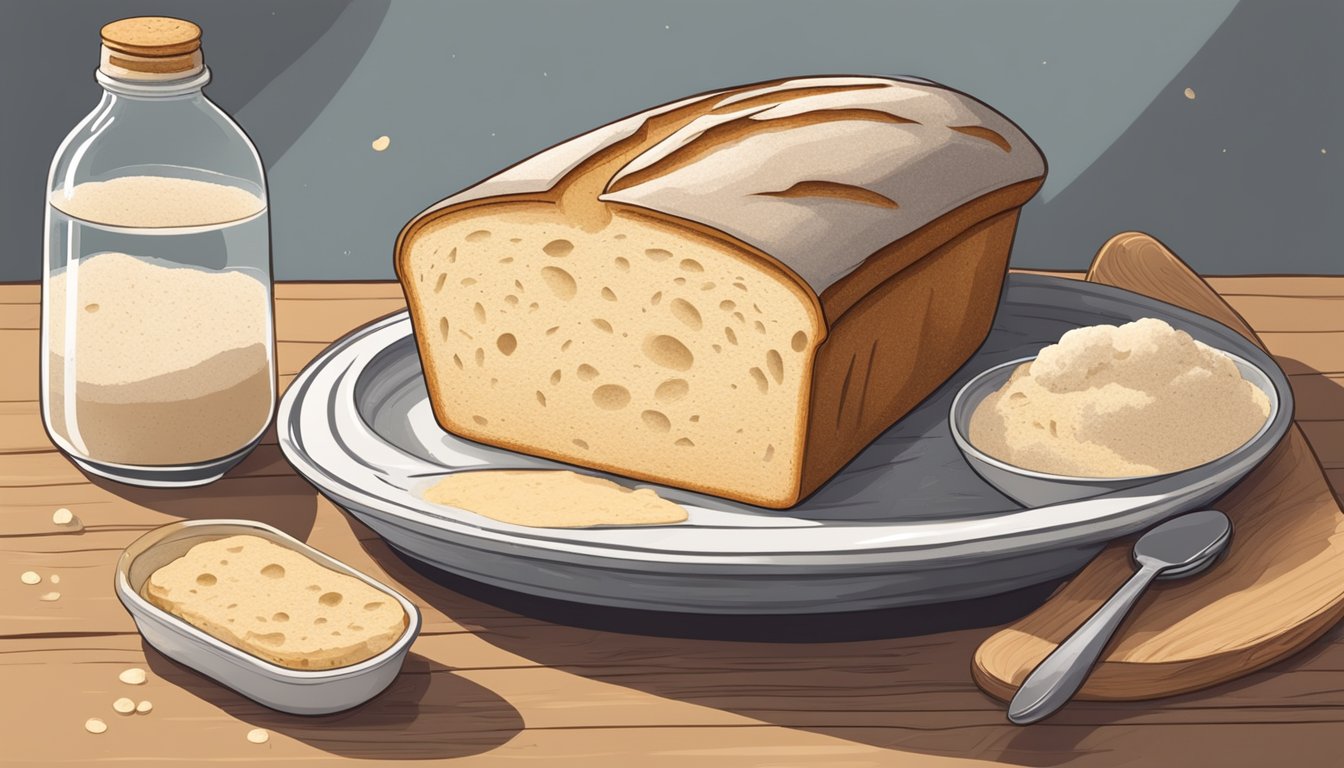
1106,401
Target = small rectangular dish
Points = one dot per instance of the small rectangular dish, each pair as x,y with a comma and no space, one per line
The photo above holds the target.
300,692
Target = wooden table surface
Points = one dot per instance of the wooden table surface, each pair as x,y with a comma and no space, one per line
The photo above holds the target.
502,679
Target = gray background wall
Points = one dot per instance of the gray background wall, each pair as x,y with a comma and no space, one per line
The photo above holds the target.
1245,178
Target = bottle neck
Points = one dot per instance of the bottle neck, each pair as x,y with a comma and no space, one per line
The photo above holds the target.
154,89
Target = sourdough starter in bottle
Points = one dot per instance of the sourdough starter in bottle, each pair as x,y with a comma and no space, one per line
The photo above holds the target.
158,356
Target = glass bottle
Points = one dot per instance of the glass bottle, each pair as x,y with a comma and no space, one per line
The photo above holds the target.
158,351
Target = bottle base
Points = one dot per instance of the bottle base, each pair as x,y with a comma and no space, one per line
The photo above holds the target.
171,476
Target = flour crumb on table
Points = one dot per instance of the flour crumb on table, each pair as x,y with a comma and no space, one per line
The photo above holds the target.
50,597
30,578
95,725
65,519
132,676
258,736
144,707
381,143
123,706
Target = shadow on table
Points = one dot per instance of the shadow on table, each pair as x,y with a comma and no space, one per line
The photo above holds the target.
900,678
427,713
792,629
897,679
257,489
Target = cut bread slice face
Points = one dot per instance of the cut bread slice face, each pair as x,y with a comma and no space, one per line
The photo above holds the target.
627,344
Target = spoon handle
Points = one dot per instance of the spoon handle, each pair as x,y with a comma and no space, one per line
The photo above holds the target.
1062,673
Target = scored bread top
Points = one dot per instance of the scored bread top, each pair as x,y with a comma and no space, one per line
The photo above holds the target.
820,172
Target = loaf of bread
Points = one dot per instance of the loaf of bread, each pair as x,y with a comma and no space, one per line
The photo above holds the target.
276,604
733,293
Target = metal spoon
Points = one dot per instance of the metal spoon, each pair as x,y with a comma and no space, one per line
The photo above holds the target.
1179,547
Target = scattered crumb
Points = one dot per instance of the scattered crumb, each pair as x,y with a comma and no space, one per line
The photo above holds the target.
1045,62
124,706
64,518
1322,151
30,577
132,676
258,736
95,725
50,597
144,707
1190,93
55,578
381,143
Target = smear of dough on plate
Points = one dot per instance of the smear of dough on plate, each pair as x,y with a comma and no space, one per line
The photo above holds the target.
552,499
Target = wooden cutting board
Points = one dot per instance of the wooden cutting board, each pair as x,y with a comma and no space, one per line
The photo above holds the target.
1279,587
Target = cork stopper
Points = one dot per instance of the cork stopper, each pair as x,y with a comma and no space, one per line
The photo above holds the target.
151,48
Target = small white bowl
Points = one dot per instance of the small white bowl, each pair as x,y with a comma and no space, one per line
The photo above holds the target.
1038,489
300,692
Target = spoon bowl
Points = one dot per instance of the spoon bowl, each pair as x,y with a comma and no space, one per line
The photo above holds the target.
1184,545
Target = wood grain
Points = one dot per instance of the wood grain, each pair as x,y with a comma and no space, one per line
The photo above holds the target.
1279,587
500,679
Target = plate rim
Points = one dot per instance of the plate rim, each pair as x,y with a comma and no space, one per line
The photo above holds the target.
1111,515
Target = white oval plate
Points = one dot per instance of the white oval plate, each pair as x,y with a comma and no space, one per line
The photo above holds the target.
906,522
